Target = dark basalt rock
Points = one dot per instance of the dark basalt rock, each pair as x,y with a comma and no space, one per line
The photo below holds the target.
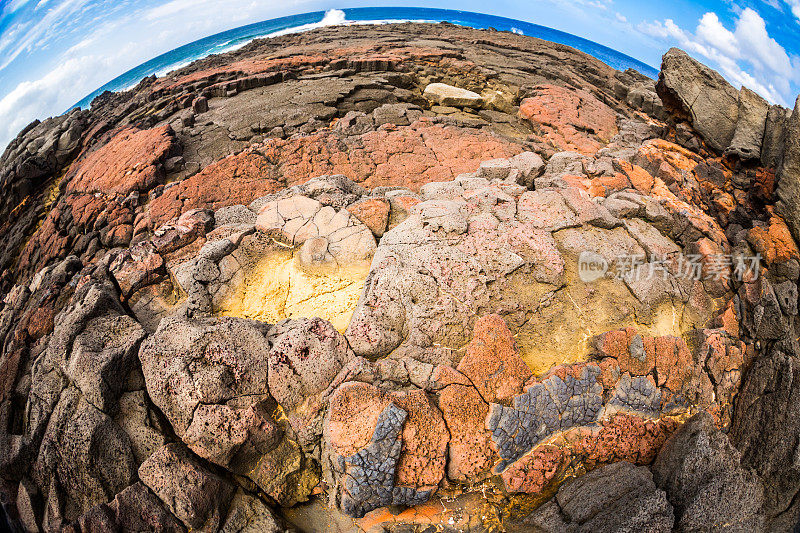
369,475
619,497
703,476
553,405
789,173
766,432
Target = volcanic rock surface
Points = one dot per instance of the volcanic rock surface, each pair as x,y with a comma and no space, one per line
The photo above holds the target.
407,277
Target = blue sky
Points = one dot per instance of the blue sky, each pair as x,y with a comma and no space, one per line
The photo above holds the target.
54,52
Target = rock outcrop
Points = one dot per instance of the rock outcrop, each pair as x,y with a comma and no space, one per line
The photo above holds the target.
692,91
403,277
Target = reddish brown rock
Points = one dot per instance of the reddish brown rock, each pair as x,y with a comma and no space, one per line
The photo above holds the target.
425,439
638,177
470,453
129,162
536,471
353,412
236,179
137,267
623,438
492,362
774,242
571,120
409,156
373,212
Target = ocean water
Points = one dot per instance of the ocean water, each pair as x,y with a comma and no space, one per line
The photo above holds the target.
238,37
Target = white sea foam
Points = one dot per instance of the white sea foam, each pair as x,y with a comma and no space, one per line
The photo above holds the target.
333,17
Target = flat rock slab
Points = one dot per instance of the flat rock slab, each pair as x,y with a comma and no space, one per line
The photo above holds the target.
447,95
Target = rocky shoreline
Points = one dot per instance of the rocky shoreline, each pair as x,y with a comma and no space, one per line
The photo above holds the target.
344,281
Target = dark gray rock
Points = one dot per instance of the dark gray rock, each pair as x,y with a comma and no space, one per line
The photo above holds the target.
774,136
193,493
700,470
134,509
248,514
766,431
749,135
789,174
694,92
618,498
545,408
102,356
85,458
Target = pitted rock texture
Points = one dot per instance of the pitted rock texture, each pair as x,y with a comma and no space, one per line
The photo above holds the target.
397,278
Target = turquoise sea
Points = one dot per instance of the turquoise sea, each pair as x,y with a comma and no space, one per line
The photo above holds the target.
238,37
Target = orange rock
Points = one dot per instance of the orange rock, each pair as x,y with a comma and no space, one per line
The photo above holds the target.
634,353
639,177
236,179
605,185
129,162
667,161
409,156
673,363
570,119
774,243
470,452
425,438
492,362
728,320
763,183
623,438
353,413
373,212
533,473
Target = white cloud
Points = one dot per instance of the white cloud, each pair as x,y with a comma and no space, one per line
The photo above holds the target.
35,35
746,55
620,17
52,92
711,31
794,5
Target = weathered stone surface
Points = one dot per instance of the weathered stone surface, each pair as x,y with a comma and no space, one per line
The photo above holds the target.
373,213
765,432
478,306
384,449
407,155
102,357
789,174
554,405
299,218
84,459
129,162
701,472
563,126
492,363
192,493
134,509
696,93
750,126
617,497
774,136
210,377
248,514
